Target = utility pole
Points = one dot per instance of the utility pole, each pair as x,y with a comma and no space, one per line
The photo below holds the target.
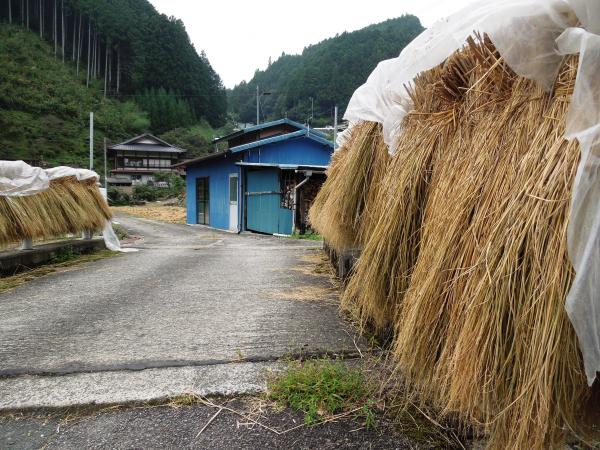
257,105
105,170
312,109
91,141
335,127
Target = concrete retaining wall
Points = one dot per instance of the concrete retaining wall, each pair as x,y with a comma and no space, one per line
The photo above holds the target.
14,261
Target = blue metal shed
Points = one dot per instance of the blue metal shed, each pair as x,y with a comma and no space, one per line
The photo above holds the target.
263,181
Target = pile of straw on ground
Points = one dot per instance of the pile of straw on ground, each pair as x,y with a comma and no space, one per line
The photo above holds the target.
342,210
67,206
467,259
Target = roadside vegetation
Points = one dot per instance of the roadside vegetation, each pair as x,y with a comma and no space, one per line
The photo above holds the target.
309,235
64,260
147,193
322,389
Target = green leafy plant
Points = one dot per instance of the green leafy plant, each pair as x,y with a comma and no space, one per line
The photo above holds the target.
64,255
323,388
309,235
117,197
143,192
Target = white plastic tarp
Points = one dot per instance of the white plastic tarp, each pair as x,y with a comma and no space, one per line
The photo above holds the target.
19,179
532,36
65,171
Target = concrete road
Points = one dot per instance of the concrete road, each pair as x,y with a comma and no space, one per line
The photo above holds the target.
193,305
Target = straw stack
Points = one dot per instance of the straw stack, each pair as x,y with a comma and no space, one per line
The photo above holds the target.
67,206
467,259
342,210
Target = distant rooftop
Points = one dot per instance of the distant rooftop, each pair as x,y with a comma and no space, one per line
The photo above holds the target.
262,126
146,143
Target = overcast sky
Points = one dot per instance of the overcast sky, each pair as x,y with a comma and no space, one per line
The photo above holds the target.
239,36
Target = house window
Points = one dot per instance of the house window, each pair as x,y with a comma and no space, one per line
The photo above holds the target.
133,162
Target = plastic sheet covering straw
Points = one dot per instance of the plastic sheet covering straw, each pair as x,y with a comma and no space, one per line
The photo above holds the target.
18,179
532,36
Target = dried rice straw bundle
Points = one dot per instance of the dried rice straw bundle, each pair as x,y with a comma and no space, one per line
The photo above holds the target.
67,206
482,330
352,182
315,213
99,200
383,271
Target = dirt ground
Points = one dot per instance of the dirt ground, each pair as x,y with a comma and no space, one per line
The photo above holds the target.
154,211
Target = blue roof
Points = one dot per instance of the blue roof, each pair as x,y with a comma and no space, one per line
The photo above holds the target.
262,126
314,135
282,166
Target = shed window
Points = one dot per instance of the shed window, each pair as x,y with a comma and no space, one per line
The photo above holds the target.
233,189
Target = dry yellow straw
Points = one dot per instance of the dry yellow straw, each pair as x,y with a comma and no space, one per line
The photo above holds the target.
342,208
68,206
467,258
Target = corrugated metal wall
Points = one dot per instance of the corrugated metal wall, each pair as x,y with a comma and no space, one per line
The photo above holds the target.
264,211
217,171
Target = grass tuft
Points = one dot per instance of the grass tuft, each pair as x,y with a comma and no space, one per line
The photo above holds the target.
321,389
308,236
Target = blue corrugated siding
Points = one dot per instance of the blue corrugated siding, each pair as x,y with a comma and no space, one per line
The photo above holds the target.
294,151
217,171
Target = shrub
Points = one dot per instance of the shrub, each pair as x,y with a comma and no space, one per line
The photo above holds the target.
117,197
176,185
143,192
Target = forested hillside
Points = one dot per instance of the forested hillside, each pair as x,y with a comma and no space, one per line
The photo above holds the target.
327,72
127,45
133,67
44,107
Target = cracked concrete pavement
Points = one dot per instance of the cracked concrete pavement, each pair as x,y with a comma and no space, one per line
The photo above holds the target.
194,311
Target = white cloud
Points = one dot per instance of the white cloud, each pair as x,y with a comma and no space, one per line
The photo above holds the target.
239,36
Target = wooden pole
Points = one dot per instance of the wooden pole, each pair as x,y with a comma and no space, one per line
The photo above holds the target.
94,55
55,29
110,60
9,11
79,44
74,37
62,34
87,82
118,69
105,68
